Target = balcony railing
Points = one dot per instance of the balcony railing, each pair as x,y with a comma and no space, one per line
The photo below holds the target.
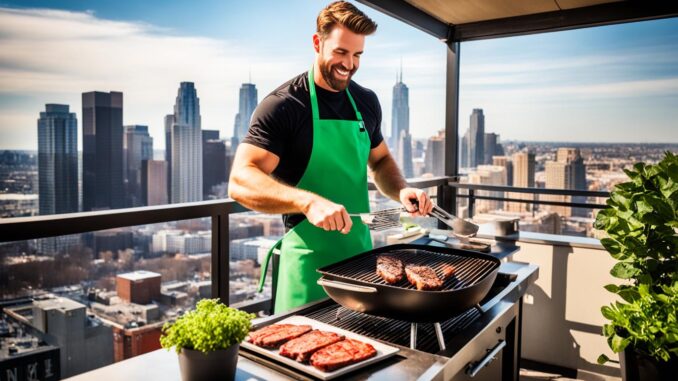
25,228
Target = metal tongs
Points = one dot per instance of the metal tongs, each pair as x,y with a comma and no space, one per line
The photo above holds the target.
461,228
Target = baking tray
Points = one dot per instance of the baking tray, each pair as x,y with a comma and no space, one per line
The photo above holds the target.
383,351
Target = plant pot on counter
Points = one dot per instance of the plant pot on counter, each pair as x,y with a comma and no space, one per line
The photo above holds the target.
215,365
638,367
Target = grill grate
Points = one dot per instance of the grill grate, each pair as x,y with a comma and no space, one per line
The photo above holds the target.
390,330
468,270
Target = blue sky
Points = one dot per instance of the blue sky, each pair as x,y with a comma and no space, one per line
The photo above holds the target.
610,84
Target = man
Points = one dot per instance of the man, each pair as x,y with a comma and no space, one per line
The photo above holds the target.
306,156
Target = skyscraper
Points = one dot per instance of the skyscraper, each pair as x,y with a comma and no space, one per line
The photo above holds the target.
435,155
523,177
247,104
186,143
505,161
153,180
574,158
405,155
490,146
168,122
463,159
102,170
566,172
476,138
488,175
215,161
57,160
400,118
137,146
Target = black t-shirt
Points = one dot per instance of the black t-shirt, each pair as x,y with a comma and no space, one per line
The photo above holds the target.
283,124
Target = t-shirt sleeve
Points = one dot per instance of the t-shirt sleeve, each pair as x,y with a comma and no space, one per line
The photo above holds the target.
269,125
375,136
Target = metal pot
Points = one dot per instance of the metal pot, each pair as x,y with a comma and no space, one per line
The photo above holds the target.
505,227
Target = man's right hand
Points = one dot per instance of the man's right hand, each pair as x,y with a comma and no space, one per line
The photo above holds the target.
327,215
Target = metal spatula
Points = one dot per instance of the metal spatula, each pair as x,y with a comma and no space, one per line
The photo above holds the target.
381,219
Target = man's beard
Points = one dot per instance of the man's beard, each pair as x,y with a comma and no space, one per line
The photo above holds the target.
327,71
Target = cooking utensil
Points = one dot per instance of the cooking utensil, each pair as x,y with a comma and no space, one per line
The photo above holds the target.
390,218
354,283
381,219
460,227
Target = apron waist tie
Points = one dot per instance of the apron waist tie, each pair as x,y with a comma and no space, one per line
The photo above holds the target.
264,266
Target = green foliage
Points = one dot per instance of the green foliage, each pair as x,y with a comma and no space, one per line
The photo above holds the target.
209,327
641,221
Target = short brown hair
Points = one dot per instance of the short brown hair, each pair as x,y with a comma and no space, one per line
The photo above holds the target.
345,14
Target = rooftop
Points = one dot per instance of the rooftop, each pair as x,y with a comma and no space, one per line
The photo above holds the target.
139,275
63,304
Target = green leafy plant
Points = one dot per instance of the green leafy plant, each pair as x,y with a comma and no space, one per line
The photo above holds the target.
641,222
209,327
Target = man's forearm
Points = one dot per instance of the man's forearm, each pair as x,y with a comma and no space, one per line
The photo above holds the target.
388,177
258,191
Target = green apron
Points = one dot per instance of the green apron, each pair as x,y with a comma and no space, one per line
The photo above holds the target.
337,170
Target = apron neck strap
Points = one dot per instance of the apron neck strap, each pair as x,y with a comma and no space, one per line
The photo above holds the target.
314,98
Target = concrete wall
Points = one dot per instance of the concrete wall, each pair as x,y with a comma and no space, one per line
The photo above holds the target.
562,321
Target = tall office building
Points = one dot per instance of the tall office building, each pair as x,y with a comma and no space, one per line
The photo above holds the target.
405,155
137,147
102,170
476,139
215,161
246,105
400,118
574,158
186,146
566,172
491,147
168,121
210,135
153,182
435,155
57,160
488,175
523,177
505,161
463,157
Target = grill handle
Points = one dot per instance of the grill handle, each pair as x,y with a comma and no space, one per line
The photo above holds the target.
346,286
474,368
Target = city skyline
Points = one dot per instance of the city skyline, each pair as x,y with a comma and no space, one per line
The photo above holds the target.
625,76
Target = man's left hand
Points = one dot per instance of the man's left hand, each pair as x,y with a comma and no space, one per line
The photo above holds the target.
407,195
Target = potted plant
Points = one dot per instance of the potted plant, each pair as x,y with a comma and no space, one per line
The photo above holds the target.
207,340
641,222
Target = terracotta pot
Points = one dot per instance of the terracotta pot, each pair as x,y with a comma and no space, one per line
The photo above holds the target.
216,365
638,367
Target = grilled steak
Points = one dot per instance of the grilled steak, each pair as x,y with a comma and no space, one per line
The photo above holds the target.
390,269
302,347
274,335
341,354
423,277
448,271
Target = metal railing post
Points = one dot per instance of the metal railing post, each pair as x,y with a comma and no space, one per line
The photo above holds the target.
471,203
220,258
